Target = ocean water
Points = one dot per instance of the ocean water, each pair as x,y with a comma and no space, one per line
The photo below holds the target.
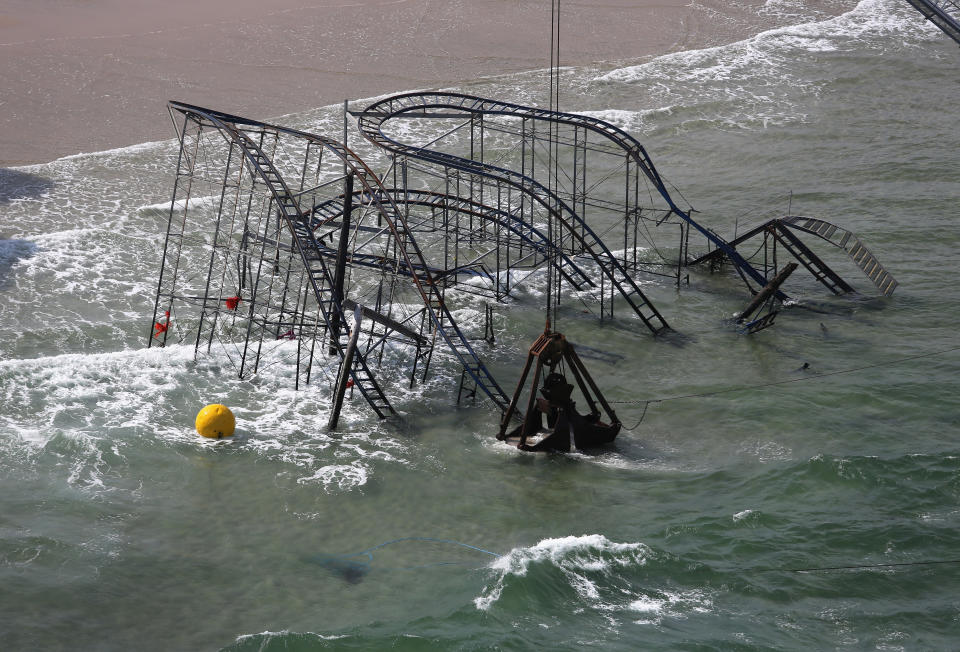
121,529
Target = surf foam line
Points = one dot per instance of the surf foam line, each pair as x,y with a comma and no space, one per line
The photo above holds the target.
771,49
749,76
103,399
590,573
588,561
571,555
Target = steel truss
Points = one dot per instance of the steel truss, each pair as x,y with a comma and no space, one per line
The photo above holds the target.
245,266
274,234
945,14
782,233
582,176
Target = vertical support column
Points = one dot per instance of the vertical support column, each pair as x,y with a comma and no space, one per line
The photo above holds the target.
346,113
208,312
523,172
345,368
341,267
680,255
256,290
273,278
173,243
626,216
579,185
488,333
446,223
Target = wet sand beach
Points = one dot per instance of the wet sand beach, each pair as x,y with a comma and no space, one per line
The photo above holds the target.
82,76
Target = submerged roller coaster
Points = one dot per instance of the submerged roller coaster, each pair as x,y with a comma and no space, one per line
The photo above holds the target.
945,14
276,234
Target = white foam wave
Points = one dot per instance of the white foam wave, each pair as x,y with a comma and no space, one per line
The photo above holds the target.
343,476
138,148
751,73
630,121
774,49
742,515
597,571
572,555
208,200
670,604
268,635
83,412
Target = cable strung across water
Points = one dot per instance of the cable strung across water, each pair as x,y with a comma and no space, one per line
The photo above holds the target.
646,402
858,567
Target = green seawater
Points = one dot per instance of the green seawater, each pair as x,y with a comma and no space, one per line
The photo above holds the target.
120,529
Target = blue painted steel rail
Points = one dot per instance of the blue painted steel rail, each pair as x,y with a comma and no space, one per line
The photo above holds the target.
409,104
414,105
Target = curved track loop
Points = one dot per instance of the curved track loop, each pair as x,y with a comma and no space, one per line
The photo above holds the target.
371,121
298,221
331,210
835,235
409,104
850,243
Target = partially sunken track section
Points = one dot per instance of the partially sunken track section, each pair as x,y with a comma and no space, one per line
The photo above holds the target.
433,105
247,137
945,14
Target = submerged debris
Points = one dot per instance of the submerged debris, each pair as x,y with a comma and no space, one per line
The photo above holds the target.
275,234
550,352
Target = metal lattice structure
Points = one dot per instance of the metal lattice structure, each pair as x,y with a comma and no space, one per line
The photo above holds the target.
783,233
248,263
586,183
274,234
945,14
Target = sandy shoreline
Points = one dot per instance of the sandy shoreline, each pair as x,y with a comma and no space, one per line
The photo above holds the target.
84,76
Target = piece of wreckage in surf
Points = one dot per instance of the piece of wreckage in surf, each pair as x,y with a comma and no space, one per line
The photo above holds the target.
608,210
780,238
274,236
551,421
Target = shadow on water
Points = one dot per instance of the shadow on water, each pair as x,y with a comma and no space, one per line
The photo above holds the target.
22,185
349,570
12,251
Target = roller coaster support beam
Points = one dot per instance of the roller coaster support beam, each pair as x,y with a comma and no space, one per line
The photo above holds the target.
419,104
341,268
345,369
945,14
768,291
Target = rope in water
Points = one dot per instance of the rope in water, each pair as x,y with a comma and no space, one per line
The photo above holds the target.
646,402
859,567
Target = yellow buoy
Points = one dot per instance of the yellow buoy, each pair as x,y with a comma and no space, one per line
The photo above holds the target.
216,421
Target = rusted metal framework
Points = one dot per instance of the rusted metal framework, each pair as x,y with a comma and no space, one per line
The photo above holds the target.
258,263
782,234
591,187
558,173
549,355
274,234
